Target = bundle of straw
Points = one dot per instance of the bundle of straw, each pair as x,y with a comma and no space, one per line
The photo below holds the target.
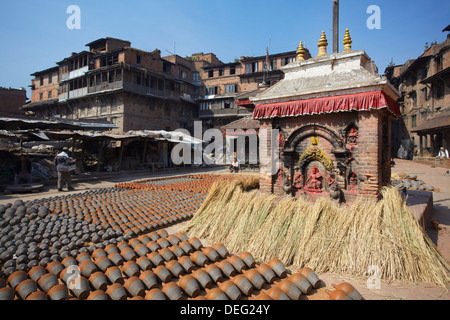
326,237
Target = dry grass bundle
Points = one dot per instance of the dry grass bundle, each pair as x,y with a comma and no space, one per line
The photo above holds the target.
326,237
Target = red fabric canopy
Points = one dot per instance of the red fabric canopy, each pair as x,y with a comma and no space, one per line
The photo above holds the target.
350,102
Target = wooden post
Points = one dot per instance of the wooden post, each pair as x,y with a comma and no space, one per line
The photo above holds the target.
144,152
335,26
122,143
100,155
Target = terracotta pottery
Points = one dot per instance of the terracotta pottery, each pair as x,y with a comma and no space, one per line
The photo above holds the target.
156,259
278,267
80,288
177,251
153,246
97,295
58,292
17,277
155,294
204,278
248,259
199,258
175,268
216,294
144,263
131,269
255,278
47,281
237,263
99,281
25,288
243,283
266,271
37,295
349,289
116,258
196,243
36,273
339,295
301,282
134,287
231,290
167,254
114,275
149,279
227,268
186,246
186,263
290,289
211,254
276,293
103,263
262,296
311,276
87,267
163,243
116,292
221,250
6,293
162,273
172,291
189,285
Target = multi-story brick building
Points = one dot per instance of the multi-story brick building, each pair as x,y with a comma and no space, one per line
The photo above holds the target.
133,89
11,100
424,84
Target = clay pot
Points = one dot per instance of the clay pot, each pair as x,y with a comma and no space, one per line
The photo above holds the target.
116,258
17,277
276,293
69,261
47,281
231,290
110,248
237,263
186,263
182,236
162,273
290,289
83,257
37,295
114,275
87,267
99,281
36,273
189,285
103,262
278,267
99,253
134,287
141,250
153,246
156,259
199,298
351,292
186,246
175,268
144,263
116,292
172,291
163,243
173,239
221,250
25,288
162,233
227,268
204,278
97,295
216,294
177,251
255,278
149,279
243,283
131,269
199,258
266,271
128,254
248,259
311,276
211,254
80,287
6,293
339,295
262,296
301,282
155,294
167,254
58,292
196,243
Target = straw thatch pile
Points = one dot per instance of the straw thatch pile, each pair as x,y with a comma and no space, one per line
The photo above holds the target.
324,236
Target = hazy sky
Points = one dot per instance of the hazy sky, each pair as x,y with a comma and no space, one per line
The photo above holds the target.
34,33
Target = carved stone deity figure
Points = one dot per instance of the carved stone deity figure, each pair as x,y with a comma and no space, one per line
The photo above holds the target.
352,180
353,136
314,181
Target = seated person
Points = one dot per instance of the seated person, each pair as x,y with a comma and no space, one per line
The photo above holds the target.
443,153
234,167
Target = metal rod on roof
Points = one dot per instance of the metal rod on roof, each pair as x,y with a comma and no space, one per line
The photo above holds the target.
335,26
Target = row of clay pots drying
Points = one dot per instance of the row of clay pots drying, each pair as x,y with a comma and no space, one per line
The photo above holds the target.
159,266
74,224
200,183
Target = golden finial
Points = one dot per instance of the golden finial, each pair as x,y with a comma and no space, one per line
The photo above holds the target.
314,141
323,43
347,41
300,52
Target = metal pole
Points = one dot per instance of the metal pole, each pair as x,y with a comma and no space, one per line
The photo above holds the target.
335,26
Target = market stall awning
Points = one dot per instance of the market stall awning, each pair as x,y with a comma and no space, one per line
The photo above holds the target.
342,103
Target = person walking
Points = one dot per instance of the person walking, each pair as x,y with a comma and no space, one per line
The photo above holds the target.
64,165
